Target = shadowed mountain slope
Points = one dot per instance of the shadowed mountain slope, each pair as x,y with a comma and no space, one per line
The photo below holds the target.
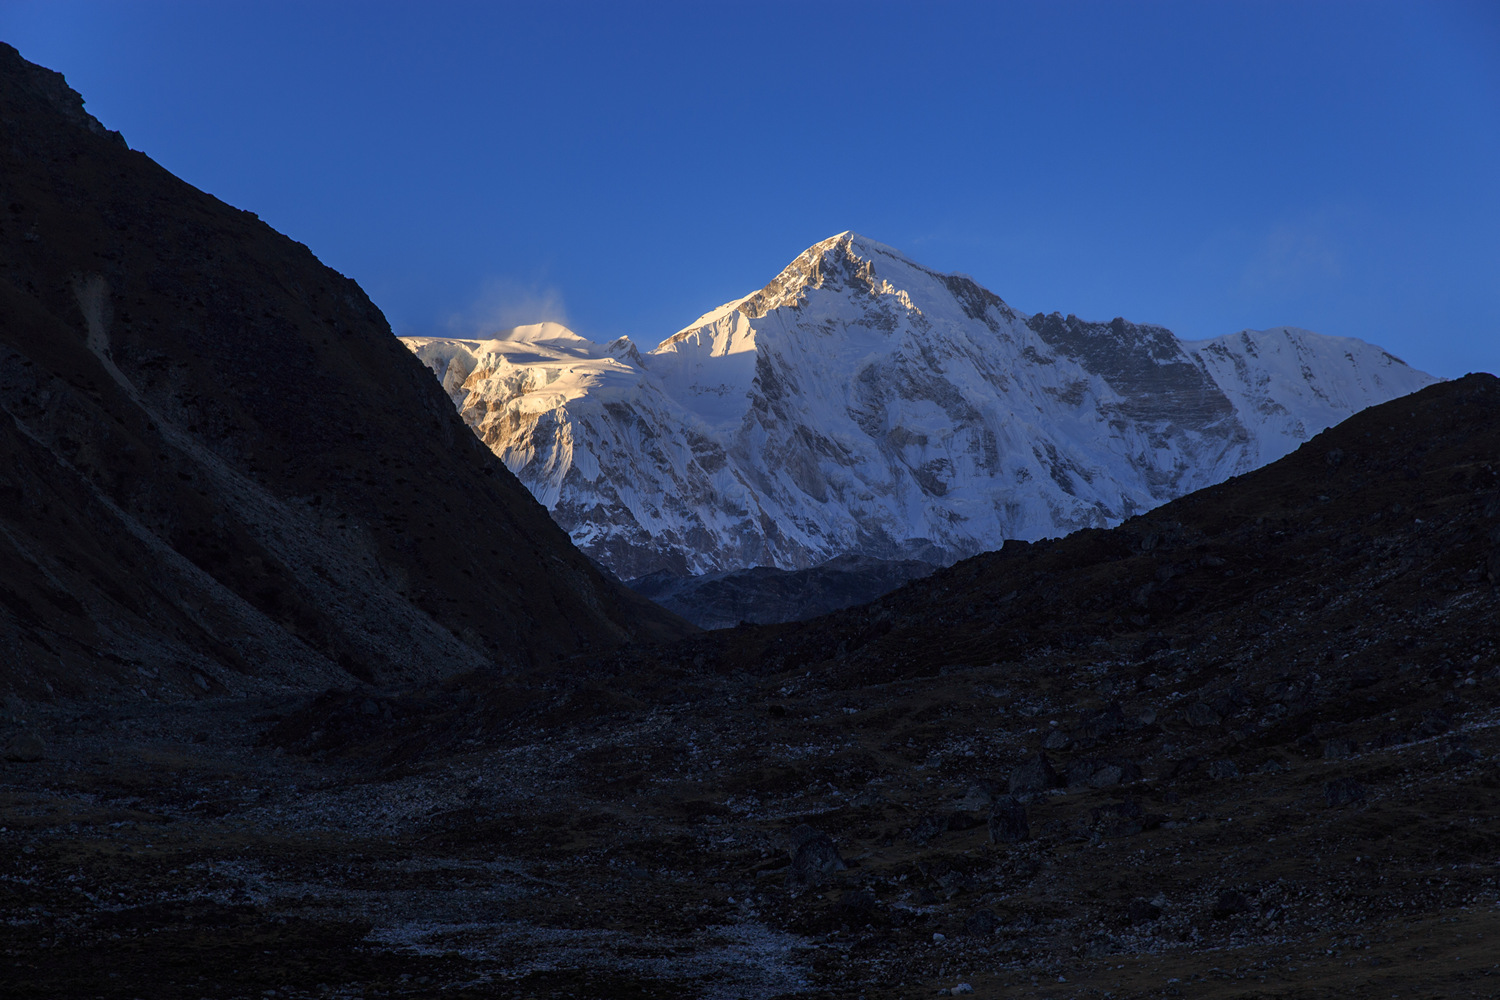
196,489
1379,531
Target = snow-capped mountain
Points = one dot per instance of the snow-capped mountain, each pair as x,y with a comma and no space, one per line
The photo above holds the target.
861,403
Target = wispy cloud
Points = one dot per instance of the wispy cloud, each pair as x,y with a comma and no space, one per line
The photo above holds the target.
1293,255
502,303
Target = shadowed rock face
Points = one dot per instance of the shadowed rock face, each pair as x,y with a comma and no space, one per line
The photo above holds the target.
194,496
1157,380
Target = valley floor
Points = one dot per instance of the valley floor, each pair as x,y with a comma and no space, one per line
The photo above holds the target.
535,843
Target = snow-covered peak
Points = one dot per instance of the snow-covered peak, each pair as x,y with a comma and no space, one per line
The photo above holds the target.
862,403
535,333
1279,380
861,247
848,263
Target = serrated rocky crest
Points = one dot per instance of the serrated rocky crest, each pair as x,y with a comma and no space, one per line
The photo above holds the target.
862,403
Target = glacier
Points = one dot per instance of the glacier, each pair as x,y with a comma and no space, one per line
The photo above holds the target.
861,403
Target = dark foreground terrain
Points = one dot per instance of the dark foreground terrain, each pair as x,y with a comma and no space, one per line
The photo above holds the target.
1244,746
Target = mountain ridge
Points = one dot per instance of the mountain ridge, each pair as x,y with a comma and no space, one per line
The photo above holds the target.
862,403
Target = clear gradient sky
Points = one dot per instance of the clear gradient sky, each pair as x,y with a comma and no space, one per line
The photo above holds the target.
624,167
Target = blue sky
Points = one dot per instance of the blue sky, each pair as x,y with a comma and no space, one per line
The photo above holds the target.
624,167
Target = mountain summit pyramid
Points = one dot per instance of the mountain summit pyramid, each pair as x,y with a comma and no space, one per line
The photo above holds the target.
862,403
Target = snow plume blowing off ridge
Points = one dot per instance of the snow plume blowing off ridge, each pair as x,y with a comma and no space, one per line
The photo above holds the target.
862,403
501,303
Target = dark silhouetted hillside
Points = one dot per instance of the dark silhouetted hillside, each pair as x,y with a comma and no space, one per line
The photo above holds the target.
195,488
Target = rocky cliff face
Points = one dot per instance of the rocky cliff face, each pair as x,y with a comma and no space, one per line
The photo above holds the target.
861,403
195,496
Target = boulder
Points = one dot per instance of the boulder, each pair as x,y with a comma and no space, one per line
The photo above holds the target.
1337,749
978,796
1223,770
1432,724
1122,819
982,923
1102,773
1101,724
974,808
1008,822
1230,902
1106,776
25,747
1458,752
858,902
929,826
1034,776
1056,739
1342,792
814,856
1202,715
